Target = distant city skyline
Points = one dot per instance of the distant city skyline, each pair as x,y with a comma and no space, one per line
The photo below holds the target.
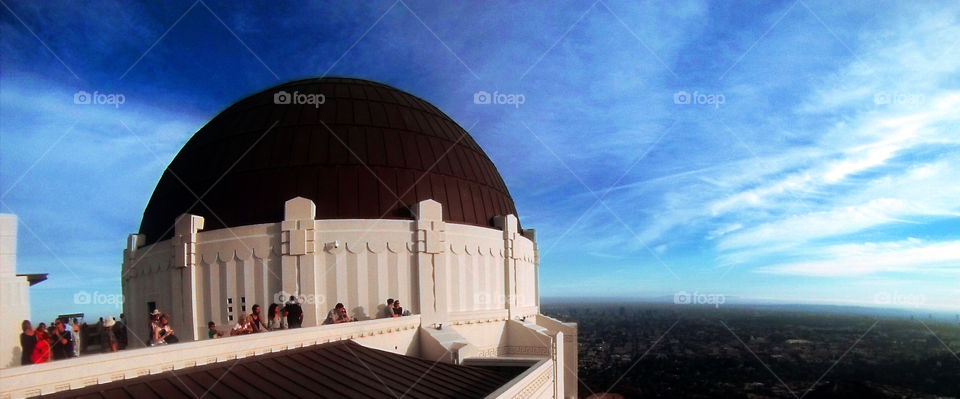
797,151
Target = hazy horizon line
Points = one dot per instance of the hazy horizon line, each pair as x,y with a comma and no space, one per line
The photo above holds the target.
740,300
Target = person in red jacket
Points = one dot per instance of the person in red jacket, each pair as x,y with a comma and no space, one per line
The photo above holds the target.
41,352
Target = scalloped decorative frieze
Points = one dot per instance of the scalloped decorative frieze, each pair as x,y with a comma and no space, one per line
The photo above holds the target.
373,247
480,320
355,247
395,247
236,258
476,249
233,254
209,258
158,266
376,247
158,263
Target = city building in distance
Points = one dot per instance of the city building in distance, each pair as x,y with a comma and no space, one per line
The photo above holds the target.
329,190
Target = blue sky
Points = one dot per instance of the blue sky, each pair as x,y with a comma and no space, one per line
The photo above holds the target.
813,159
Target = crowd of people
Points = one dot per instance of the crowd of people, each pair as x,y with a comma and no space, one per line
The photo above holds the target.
393,309
339,312
290,315
62,338
279,317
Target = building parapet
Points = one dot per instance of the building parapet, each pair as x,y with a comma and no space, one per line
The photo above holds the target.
535,382
567,333
476,317
60,375
569,329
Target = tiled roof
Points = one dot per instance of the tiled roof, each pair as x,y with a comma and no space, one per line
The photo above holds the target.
343,369
384,142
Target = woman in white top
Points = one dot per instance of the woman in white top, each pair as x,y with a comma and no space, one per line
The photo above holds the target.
155,328
275,319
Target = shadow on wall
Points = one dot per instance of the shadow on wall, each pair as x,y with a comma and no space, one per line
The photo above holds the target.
504,338
358,314
15,359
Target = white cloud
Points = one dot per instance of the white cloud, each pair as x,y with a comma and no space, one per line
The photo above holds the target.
803,228
910,255
724,230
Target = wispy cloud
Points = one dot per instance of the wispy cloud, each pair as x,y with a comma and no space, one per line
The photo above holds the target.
902,257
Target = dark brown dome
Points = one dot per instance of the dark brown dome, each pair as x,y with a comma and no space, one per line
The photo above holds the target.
383,141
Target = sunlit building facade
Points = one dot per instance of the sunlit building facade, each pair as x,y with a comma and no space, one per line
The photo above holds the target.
334,191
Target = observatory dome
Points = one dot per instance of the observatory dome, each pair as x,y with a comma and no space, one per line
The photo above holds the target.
353,155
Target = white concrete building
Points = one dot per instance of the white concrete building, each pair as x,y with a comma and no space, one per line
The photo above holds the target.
365,194
14,294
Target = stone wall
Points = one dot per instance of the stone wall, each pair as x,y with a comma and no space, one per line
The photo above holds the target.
436,269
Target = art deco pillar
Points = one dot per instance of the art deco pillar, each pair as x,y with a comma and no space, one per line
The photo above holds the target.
531,234
184,301
298,246
559,367
509,226
14,294
131,295
430,240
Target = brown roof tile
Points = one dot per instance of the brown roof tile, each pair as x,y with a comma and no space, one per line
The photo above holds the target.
343,369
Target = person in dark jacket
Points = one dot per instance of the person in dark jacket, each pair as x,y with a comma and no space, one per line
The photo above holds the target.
63,341
256,320
397,309
294,313
28,342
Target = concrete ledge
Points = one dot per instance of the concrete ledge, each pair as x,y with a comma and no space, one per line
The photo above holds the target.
526,311
39,379
532,383
568,329
477,316
502,361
